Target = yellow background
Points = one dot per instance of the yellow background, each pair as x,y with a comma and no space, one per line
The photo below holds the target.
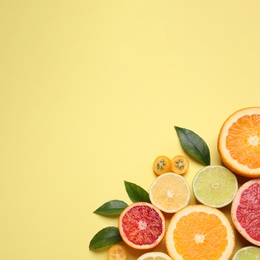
90,92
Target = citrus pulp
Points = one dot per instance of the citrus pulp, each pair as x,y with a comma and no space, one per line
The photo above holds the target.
180,164
141,225
117,252
199,232
154,256
215,186
169,192
239,142
162,164
247,253
245,211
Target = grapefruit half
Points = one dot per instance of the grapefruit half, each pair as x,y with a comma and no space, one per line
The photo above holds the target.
245,211
141,225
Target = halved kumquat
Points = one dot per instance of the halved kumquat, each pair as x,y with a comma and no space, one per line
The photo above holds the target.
180,164
162,164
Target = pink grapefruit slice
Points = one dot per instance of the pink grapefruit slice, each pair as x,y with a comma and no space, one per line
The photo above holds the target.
245,211
141,225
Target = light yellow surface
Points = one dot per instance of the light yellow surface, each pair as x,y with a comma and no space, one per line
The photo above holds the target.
90,92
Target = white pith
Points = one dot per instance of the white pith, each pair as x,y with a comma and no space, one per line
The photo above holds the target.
142,225
199,238
170,193
253,140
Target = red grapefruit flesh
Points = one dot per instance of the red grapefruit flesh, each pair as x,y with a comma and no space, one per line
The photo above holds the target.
245,211
141,225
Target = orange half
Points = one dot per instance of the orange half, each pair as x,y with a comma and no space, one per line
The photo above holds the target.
239,142
200,232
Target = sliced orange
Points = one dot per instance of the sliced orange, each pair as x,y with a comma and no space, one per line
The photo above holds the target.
169,192
117,252
239,142
162,164
180,164
199,232
245,211
141,225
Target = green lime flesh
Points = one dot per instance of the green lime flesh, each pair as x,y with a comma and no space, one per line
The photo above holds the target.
247,253
215,186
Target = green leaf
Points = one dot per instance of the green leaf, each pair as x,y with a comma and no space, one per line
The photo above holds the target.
112,208
136,193
105,237
194,145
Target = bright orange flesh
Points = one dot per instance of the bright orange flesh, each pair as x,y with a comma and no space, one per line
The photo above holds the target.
117,252
245,211
162,164
239,142
244,134
180,164
142,225
199,232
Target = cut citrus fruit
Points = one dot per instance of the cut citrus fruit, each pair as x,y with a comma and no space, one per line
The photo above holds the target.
169,192
141,225
239,142
215,186
200,232
245,211
180,164
247,253
154,256
117,252
162,164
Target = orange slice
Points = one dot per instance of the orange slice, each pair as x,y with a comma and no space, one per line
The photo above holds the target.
170,192
239,142
117,252
245,211
162,164
180,164
141,225
200,232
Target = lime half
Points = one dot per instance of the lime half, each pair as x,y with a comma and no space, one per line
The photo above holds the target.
215,186
246,253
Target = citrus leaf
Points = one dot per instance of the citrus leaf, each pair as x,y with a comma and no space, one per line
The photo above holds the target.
194,145
136,193
112,208
105,237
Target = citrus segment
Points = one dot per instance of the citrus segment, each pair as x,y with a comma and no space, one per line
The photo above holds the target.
154,256
239,142
169,192
142,225
117,252
180,164
215,186
247,253
245,211
162,164
200,232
